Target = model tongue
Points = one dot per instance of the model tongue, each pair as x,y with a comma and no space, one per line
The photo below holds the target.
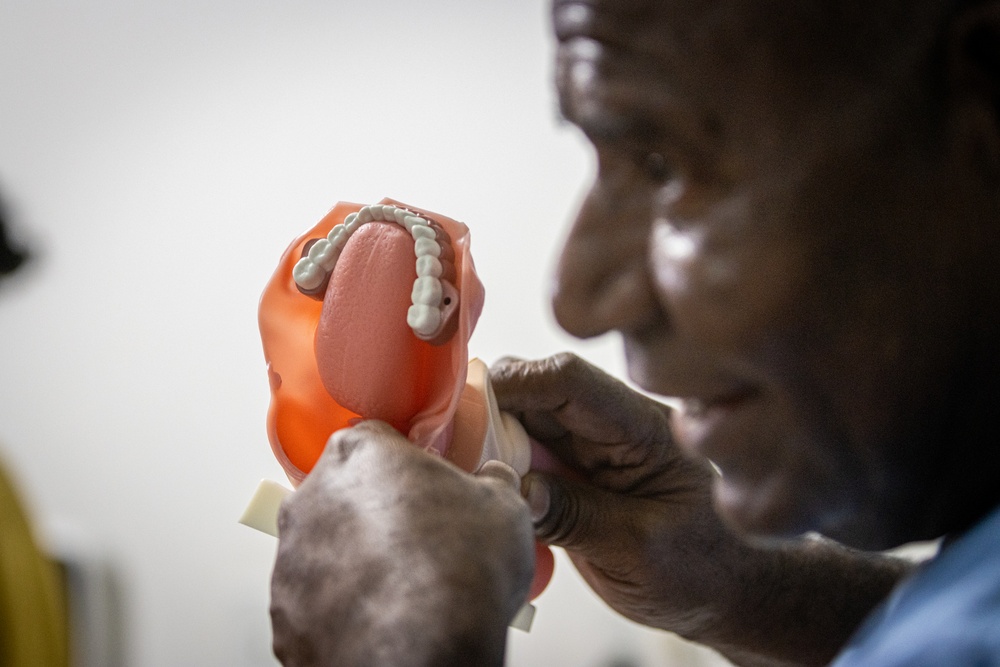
369,295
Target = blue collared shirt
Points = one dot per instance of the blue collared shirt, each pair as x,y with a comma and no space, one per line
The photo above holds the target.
947,614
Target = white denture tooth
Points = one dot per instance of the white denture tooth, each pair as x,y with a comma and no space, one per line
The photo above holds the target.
424,247
353,225
338,230
424,320
351,217
307,274
365,215
426,291
332,263
411,220
338,238
428,265
400,215
378,213
422,232
326,255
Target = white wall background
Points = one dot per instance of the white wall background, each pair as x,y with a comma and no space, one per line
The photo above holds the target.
159,156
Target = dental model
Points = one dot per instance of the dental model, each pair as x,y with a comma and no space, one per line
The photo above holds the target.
368,316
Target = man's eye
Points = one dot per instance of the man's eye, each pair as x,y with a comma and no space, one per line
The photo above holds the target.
656,168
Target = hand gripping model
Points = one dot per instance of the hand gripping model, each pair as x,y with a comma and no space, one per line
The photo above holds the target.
368,316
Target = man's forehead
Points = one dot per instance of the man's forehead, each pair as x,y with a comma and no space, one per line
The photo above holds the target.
722,50
661,15
580,8
604,20
626,56
725,29
667,35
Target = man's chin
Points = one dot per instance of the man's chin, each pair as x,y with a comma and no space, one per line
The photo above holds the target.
770,511
755,511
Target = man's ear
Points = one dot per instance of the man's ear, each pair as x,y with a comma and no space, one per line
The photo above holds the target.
973,72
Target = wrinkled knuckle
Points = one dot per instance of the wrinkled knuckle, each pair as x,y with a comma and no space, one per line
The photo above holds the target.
516,370
566,363
339,447
349,443
573,370
506,365
345,441
512,379
558,370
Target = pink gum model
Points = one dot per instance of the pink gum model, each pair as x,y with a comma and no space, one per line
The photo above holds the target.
368,316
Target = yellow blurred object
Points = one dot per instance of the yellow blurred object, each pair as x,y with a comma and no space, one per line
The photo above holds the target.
33,621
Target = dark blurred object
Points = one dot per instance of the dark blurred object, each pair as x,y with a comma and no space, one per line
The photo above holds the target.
10,257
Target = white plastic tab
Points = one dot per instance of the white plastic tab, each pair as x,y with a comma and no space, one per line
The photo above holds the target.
262,512
523,618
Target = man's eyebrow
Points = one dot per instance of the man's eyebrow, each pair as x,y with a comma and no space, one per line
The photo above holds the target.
647,132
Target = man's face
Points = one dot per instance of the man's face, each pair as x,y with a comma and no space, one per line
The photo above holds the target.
765,231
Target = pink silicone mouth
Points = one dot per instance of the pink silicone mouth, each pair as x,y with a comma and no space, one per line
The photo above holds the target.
357,342
353,355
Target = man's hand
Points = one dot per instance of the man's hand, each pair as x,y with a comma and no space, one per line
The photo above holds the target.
636,518
388,555
634,515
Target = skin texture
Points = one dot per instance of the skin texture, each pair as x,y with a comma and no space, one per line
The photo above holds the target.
339,595
792,230
344,353
800,248
636,518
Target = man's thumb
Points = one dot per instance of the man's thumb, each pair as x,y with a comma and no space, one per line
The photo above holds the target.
567,513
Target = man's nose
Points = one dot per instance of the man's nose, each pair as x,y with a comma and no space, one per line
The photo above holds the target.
602,282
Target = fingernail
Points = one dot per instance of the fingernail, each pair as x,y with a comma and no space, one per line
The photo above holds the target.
500,471
537,495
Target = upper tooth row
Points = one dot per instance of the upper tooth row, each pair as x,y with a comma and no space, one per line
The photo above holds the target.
424,316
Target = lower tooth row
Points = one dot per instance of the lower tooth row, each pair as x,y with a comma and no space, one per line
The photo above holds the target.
424,320
426,291
424,316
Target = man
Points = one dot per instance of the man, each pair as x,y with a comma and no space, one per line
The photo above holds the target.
793,230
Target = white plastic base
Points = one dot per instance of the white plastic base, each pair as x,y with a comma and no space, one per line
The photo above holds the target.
262,512
523,619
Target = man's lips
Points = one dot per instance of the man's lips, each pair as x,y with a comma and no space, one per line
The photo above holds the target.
698,408
706,426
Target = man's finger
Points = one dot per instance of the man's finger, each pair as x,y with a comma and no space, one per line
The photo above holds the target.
574,515
577,396
538,385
